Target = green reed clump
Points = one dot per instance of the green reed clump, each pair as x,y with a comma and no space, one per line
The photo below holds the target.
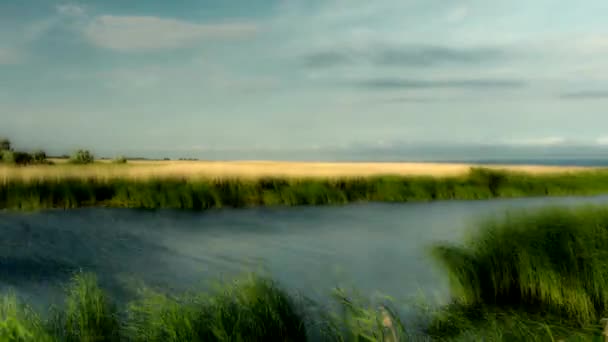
158,317
20,323
465,322
553,262
249,309
88,314
200,194
66,193
254,309
357,320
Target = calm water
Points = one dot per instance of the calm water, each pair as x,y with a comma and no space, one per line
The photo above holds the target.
374,247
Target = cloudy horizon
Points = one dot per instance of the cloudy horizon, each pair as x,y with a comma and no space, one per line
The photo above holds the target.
302,74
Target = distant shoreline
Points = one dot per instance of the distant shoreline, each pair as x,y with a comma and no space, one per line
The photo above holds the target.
536,161
147,169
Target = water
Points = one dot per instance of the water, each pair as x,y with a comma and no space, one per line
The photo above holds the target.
571,154
585,162
372,247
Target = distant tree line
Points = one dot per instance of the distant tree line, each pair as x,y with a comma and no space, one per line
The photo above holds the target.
8,155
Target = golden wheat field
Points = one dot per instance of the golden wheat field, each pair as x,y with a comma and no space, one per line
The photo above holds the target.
252,169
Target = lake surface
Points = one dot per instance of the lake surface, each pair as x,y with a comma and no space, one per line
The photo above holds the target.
373,247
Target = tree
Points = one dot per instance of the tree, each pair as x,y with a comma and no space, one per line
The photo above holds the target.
119,160
17,158
5,144
82,157
39,156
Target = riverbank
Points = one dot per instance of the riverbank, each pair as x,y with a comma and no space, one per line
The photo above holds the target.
129,187
109,189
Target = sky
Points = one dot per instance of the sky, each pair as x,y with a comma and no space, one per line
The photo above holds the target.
284,75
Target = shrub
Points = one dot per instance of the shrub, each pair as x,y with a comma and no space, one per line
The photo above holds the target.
119,160
16,158
5,144
82,157
39,156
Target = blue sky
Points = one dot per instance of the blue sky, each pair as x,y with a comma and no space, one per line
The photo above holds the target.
143,75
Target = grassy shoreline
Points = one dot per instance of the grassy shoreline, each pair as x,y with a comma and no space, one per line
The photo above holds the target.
206,193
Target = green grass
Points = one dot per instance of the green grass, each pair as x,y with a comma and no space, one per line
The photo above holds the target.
256,309
19,323
205,194
550,265
251,309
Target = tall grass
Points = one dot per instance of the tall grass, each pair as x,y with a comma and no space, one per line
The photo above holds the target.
89,315
358,320
18,322
253,309
199,194
551,264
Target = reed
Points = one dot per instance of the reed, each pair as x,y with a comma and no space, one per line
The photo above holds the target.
18,322
206,193
256,309
550,265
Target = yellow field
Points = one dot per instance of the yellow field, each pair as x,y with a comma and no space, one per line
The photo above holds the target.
252,169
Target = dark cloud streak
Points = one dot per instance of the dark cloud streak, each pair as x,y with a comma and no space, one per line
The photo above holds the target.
412,56
434,55
394,83
326,59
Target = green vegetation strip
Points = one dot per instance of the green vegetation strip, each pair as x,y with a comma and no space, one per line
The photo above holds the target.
539,276
204,194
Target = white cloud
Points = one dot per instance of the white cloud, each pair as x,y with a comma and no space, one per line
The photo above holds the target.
70,10
132,33
602,140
